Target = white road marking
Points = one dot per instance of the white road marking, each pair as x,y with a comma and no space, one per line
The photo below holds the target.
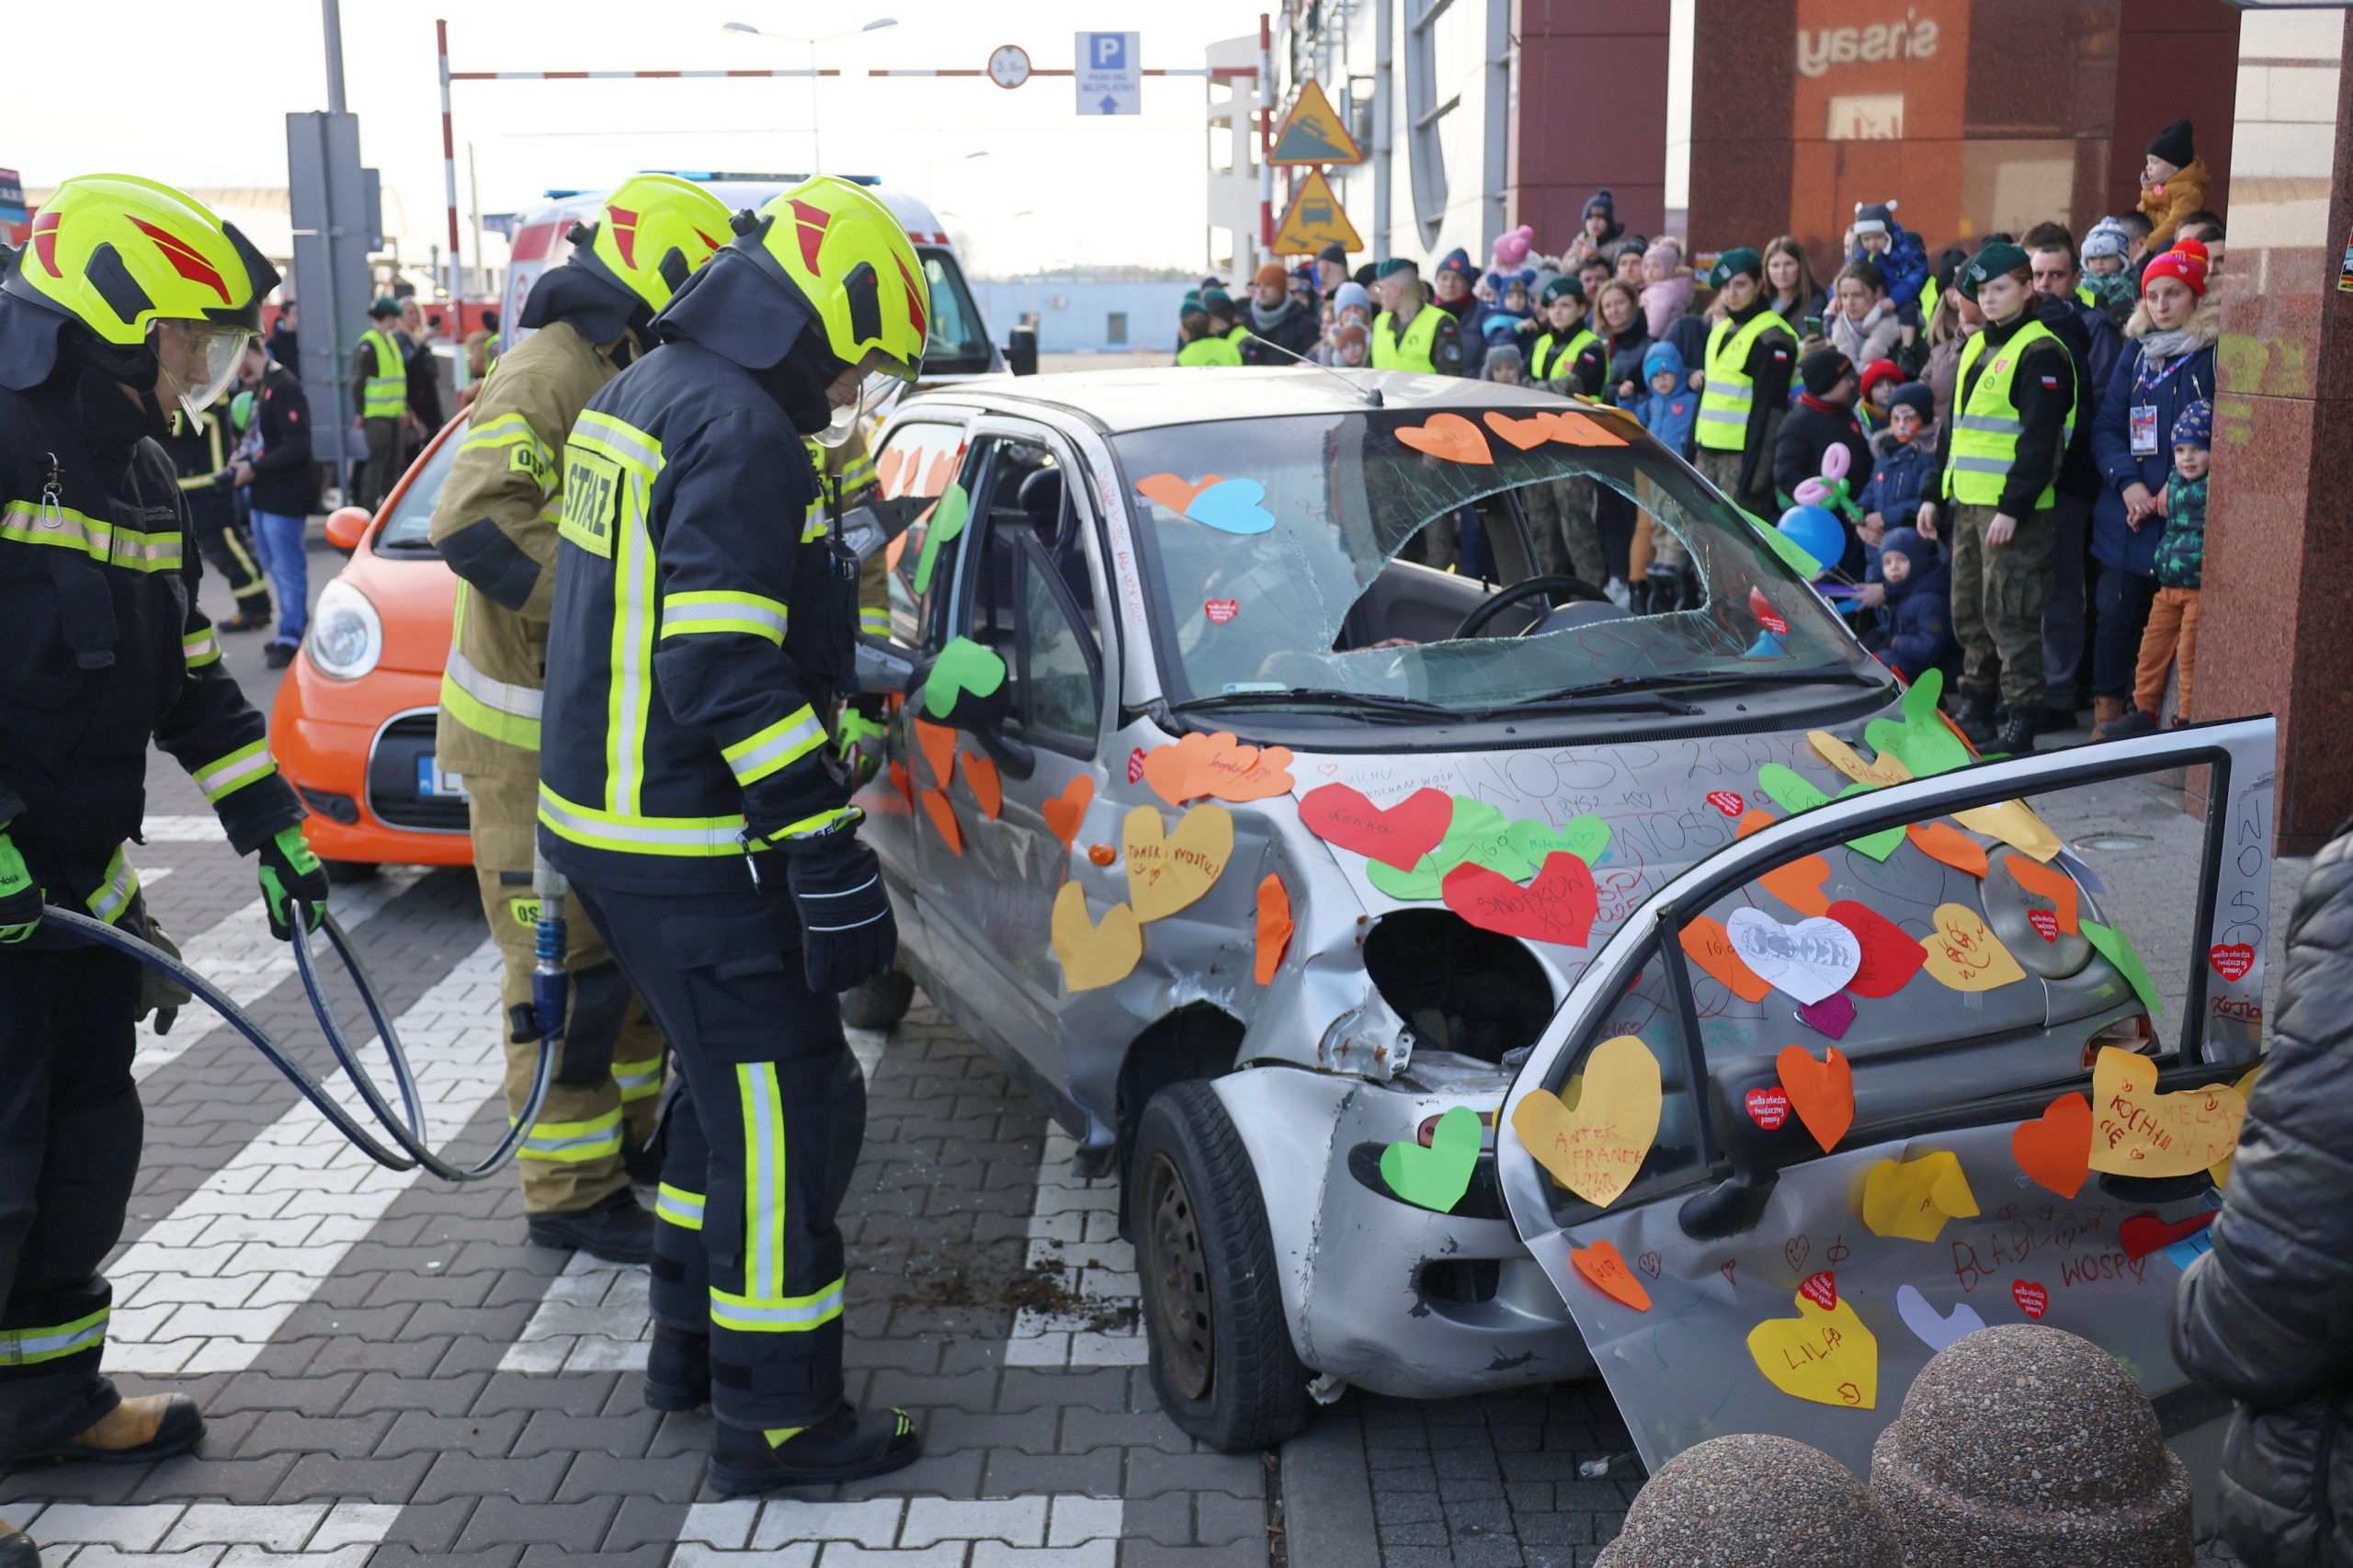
1064,1531
1075,1225
208,1286
208,1534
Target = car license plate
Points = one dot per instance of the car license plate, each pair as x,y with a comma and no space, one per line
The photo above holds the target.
431,782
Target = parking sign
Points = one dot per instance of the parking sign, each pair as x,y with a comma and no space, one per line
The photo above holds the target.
1109,73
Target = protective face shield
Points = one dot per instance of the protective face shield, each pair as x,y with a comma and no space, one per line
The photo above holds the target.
877,390
196,361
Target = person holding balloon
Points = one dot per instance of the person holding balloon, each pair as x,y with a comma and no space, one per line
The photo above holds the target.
1822,420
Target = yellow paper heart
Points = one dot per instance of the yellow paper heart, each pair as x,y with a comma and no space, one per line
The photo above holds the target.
1885,769
2015,823
1911,1199
1093,955
2220,1169
1164,874
1964,955
1595,1139
1828,1358
2138,1131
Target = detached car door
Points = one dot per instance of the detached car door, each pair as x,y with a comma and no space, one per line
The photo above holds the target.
1778,1240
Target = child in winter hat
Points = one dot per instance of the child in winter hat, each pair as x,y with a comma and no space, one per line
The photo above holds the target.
2172,634
2172,182
1667,286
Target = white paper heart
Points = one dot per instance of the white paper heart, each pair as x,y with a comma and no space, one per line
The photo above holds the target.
1810,960
1932,1331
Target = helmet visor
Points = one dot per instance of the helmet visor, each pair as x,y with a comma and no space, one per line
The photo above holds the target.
877,391
197,359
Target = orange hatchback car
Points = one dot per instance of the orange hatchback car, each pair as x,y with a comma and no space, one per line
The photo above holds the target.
352,728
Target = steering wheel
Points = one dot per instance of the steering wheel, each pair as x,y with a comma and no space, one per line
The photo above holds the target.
1474,624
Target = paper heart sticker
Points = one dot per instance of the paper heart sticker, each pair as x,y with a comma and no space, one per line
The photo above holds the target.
1093,955
1341,815
2031,1298
1558,906
1793,792
1762,608
1477,835
2015,823
963,666
1930,1329
942,812
901,783
1964,954
1604,1267
2056,1149
1726,801
1822,1093
1167,490
1950,845
938,743
1768,1108
1198,765
1885,769
1584,836
2048,883
1435,1178
1911,1199
1450,437
1821,1288
1525,434
1709,945
1805,961
2231,960
1799,883
1595,1147
1064,812
948,518
943,469
1577,429
1221,611
1823,1354
1167,872
980,778
2220,1171
1930,746
2146,1233
2117,948
886,470
2138,1131
1890,956
1832,1016
1232,506
1274,927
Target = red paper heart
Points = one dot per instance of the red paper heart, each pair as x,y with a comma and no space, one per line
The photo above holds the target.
1768,1108
1558,906
2032,1298
1890,958
2146,1233
1220,611
1724,801
1339,814
2045,922
2231,960
1762,607
1822,1290
1135,765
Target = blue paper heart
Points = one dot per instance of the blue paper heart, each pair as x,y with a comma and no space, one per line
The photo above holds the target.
1230,505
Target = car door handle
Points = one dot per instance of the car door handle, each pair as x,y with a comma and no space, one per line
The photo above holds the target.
1015,759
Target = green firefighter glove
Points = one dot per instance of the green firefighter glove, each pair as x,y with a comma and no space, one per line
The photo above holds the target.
19,894
857,742
291,874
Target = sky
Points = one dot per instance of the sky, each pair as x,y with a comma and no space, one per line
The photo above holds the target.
1099,192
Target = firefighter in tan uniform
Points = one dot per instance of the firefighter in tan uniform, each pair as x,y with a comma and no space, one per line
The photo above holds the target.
495,526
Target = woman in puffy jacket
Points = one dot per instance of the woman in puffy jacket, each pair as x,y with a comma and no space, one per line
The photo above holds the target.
2267,1317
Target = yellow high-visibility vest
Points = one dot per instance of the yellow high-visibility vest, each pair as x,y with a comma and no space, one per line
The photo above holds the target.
385,396
1985,433
1540,364
1208,351
1725,400
1414,350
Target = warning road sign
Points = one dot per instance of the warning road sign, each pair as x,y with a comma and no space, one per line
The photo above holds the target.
1313,132
1314,220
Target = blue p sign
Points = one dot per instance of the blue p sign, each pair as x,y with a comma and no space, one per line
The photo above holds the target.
1111,52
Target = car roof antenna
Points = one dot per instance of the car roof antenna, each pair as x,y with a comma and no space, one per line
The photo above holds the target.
1371,395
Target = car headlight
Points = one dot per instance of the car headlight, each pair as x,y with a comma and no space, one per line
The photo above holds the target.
346,635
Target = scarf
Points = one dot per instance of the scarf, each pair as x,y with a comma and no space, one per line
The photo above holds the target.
1263,319
2170,344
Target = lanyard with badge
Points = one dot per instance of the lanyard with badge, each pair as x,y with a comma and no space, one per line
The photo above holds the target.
2143,416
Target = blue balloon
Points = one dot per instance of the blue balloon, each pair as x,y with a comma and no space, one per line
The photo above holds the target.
1817,531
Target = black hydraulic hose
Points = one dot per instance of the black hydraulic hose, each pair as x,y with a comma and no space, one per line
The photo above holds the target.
410,1151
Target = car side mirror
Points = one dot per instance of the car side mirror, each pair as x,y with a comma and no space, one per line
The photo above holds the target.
1758,1138
346,526
1021,351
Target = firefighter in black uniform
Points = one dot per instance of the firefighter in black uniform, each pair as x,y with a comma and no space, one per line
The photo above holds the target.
200,450
687,787
129,300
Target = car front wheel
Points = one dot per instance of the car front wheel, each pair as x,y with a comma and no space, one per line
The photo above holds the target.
1221,1355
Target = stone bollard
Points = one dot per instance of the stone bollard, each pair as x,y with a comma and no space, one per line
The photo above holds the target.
1753,1498
2027,1444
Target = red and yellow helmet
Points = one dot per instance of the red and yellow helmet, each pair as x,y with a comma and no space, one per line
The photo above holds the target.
852,260
651,234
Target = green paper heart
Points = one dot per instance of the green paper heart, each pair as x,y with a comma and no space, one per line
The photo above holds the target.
1438,1176
1584,836
1476,832
1923,740
948,514
2117,948
1794,792
963,666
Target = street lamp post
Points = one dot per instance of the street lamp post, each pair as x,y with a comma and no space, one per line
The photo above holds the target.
809,46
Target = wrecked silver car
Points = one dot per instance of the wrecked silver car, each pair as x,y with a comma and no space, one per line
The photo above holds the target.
1263,840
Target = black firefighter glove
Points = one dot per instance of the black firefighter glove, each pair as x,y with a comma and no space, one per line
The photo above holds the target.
849,936
291,874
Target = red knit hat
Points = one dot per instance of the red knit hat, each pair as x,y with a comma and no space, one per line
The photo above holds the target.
1880,370
2186,262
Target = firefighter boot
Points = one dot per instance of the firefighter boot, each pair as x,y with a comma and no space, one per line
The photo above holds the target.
151,1427
847,1446
677,1371
619,1228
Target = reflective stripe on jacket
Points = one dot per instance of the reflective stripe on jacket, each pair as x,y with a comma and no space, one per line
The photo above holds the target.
1729,390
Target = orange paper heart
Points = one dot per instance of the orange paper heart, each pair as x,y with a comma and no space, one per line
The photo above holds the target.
943,816
1580,429
1798,884
1525,434
1709,945
943,469
901,783
886,470
1216,765
1064,812
1448,435
2056,1149
1172,492
1274,926
938,743
2047,883
1950,845
980,778
1822,1093
1604,1267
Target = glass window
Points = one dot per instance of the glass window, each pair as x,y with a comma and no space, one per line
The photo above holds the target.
412,513
956,343
1057,668
1114,328
921,458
